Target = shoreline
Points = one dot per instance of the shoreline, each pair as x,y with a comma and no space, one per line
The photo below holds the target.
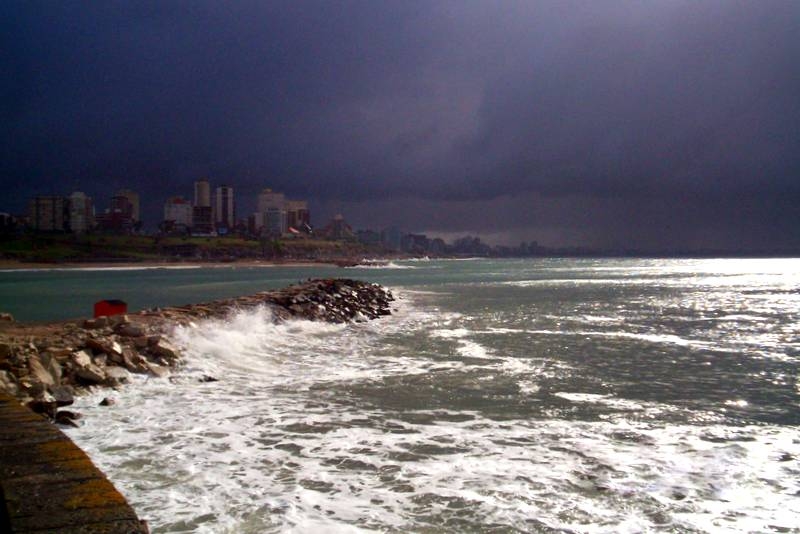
12,265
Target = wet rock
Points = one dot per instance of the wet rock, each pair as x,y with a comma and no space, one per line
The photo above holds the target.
6,317
44,404
165,349
108,401
64,395
159,371
207,378
116,375
31,388
67,418
133,361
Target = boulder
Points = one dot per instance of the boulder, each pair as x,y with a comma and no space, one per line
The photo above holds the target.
91,373
115,320
64,395
7,384
129,330
59,353
116,375
67,418
6,317
108,401
52,365
165,349
38,373
6,350
133,361
32,388
159,371
104,345
82,358
44,404
94,324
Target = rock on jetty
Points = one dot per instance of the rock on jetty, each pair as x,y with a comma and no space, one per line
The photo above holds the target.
45,365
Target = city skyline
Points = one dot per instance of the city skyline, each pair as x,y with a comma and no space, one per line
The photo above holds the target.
654,125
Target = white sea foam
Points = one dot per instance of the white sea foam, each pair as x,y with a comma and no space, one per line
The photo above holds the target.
454,333
347,428
253,453
382,265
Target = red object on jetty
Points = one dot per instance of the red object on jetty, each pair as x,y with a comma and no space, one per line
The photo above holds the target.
110,307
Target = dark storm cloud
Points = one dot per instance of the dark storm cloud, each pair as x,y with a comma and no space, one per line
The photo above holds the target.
606,108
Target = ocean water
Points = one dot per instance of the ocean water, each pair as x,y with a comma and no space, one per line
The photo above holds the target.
546,395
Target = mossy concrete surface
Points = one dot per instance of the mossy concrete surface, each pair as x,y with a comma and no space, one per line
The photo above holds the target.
48,484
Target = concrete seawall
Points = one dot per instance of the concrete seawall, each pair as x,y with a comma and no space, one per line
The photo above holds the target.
48,484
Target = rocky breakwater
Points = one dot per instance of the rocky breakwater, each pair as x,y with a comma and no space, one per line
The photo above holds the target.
46,365
335,300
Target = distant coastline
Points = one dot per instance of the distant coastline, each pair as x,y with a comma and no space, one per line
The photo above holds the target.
13,265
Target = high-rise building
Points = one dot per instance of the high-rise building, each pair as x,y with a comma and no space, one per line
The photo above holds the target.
133,200
391,238
118,219
297,214
202,193
202,220
122,205
270,199
338,229
81,213
275,222
48,213
224,209
278,214
272,209
178,210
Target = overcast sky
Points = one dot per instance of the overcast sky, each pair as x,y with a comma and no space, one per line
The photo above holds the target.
653,124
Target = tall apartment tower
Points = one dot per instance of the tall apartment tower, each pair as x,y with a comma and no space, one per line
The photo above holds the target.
272,212
133,200
297,214
81,213
202,194
202,219
178,212
224,208
48,213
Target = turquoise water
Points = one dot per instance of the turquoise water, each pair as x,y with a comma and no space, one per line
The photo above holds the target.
545,395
